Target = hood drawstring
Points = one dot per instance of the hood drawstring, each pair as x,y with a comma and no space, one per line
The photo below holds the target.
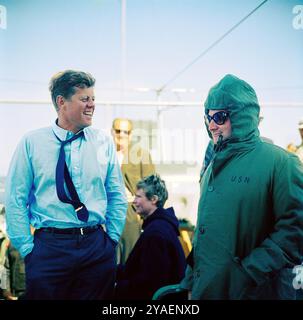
218,146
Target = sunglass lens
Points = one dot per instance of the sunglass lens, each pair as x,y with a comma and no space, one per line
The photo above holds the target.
118,131
219,117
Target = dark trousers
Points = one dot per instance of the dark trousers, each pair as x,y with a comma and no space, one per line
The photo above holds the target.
70,267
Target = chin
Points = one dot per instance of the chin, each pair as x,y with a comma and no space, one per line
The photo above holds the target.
87,124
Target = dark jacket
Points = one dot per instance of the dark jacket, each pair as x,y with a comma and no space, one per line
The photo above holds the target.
156,260
249,234
136,166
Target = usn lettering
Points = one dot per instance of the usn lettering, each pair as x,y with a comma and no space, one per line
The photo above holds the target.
239,179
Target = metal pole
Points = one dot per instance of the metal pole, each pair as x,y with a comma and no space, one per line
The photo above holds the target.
123,48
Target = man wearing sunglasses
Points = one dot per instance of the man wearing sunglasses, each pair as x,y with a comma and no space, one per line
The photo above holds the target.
136,163
249,235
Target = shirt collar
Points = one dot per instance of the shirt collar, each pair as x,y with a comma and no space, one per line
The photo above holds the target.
63,134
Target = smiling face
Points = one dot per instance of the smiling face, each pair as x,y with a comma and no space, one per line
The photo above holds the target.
219,129
76,113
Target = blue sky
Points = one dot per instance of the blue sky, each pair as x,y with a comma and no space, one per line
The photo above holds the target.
162,37
43,37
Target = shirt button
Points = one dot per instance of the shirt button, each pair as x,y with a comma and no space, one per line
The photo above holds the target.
210,188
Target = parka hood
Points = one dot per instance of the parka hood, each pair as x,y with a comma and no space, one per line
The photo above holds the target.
163,214
240,100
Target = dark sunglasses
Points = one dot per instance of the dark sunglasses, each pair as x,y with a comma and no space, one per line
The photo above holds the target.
219,117
121,131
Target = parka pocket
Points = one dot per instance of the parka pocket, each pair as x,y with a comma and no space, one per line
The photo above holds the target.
239,280
222,275
276,287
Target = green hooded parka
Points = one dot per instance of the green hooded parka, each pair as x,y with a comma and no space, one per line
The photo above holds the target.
249,233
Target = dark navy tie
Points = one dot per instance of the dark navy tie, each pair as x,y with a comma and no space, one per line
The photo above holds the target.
62,174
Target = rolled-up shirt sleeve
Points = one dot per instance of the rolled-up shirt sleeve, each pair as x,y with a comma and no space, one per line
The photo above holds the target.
18,187
116,198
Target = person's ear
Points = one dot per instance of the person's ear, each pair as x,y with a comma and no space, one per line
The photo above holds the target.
60,102
154,199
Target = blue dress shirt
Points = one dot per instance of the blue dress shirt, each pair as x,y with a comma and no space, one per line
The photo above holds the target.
31,196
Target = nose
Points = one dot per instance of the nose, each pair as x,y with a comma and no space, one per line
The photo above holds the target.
91,103
212,125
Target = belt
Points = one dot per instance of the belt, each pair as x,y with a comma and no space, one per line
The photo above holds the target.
82,231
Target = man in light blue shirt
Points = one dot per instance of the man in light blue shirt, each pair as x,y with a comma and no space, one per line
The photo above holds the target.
70,256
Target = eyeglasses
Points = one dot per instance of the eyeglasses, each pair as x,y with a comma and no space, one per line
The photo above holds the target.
219,117
118,131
